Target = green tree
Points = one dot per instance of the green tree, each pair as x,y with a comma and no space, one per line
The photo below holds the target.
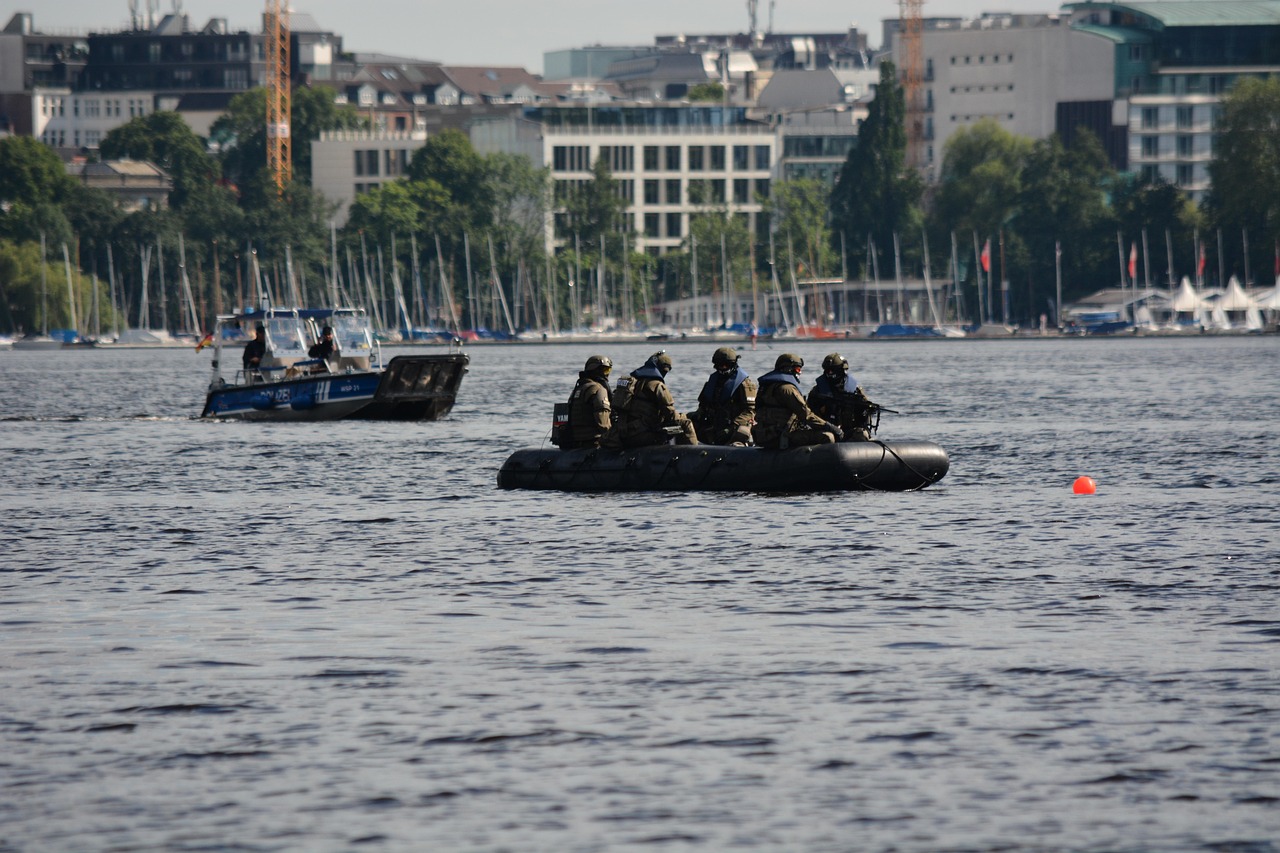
164,138
877,193
449,160
31,173
26,289
1063,200
1245,170
383,213
710,91
1161,209
980,180
799,213
241,134
521,195
596,209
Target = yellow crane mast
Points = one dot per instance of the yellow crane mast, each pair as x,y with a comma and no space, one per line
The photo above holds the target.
279,101
910,28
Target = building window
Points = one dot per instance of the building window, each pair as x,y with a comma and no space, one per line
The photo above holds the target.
673,225
651,192
1185,146
651,221
1186,174
717,191
1184,118
651,158
762,188
619,158
1150,118
673,158
1150,146
741,191
571,158
673,191
763,160
366,163
395,161
717,158
695,158
741,158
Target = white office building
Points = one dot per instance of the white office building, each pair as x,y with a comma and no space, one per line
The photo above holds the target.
346,163
661,170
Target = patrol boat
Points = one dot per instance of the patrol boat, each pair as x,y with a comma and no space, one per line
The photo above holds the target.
891,466
289,385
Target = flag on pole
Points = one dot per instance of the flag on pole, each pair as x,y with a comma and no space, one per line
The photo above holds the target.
1133,262
1200,268
204,342
986,256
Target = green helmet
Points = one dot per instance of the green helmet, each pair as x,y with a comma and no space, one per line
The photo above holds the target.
661,360
724,355
788,362
836,361
598,363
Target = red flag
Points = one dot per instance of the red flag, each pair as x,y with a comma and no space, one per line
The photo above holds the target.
986,256
204,342
1133,261
1200,269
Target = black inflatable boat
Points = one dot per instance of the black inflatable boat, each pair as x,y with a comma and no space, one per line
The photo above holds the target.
891,466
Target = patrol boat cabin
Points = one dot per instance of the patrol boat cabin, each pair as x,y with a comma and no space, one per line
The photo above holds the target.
288,383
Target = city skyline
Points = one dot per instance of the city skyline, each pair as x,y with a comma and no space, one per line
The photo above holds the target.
468,35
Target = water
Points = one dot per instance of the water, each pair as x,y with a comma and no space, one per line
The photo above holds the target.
228,636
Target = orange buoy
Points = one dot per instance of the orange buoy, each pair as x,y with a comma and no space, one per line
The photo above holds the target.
1084,486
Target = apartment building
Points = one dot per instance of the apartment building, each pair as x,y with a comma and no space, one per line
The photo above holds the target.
1174,62
665,159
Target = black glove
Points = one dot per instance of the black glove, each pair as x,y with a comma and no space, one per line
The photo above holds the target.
836,431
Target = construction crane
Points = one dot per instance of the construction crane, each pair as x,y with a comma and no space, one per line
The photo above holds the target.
910,28
279,102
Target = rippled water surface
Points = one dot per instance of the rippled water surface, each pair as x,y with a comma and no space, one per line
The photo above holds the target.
228,636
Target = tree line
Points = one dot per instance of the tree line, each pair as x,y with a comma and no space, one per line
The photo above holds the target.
461,234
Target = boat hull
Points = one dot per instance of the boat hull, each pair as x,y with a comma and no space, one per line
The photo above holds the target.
868,465
410,388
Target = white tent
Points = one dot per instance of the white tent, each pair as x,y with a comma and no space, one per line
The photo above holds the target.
1186,298
1270,301
1235,299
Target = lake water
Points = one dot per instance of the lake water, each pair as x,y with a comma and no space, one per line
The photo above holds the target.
230,636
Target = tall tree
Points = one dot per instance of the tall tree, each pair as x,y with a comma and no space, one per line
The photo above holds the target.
877,193
164,138
31,172
799,212
980,181
1245,170
1063,199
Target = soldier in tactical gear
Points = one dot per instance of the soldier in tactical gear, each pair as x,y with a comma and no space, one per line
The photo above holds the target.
727,404
644,412
783,419
590,405
837,397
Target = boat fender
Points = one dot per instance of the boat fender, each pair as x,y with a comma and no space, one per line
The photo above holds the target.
302,402
263,401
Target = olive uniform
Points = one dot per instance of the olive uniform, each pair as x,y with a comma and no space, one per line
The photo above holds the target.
783,419
727,405
590,405
837,397
645,409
